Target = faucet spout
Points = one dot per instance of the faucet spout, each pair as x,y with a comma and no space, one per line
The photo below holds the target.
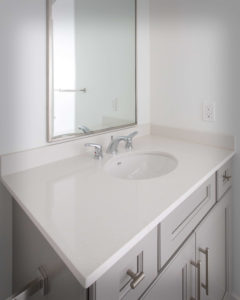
113,146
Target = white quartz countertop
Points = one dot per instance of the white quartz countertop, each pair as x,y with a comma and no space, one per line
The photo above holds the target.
92,219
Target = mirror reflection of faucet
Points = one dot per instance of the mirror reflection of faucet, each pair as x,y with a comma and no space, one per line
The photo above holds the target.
84,128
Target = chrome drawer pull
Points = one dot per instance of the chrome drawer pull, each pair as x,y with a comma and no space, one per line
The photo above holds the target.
206,285
198,267
136,278
38,284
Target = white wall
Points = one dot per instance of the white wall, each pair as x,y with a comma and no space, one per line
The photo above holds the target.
22,75
190,63
195,58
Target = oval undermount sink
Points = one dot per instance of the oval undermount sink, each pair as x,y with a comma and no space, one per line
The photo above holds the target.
138,166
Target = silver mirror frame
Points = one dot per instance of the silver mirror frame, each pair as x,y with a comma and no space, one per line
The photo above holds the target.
50,98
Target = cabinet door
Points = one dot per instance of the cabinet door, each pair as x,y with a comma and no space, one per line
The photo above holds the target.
212,249
177,281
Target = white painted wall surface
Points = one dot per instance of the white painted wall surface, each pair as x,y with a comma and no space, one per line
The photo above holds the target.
195,58
190,63
22,75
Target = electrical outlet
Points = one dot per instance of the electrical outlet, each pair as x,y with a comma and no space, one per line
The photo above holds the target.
209,112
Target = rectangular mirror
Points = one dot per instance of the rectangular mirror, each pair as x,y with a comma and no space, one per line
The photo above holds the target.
91,66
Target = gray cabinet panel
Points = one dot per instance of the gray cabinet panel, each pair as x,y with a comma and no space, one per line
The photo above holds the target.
176,282
31,250
5,243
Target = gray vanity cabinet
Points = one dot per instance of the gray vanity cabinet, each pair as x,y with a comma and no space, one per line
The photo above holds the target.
185,257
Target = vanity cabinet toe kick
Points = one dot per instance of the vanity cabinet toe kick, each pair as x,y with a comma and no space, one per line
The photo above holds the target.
176,260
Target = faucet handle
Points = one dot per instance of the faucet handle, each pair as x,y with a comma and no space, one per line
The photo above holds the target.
98,150
132,135
129,139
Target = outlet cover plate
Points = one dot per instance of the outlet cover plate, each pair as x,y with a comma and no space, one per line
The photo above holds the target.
209,112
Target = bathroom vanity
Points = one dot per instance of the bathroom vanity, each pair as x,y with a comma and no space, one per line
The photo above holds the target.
148,222
101,237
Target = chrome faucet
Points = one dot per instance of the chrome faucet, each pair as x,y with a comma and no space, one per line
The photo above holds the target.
98,154
113,146
84,128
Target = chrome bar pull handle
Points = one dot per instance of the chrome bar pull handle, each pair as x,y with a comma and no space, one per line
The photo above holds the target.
206,285
198,268
38,284
136,278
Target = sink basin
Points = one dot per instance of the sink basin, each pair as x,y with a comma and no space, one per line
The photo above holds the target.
138,166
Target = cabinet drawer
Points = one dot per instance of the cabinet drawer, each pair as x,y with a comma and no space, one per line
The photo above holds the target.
224,179
116,283
183,220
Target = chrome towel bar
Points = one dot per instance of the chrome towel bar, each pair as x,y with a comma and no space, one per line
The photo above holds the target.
38,284
70,91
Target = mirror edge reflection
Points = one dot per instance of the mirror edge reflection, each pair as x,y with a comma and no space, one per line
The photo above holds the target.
49,84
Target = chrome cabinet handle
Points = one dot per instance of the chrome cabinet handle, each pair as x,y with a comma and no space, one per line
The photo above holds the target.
226,177
198,267
38,284
136,278
206,285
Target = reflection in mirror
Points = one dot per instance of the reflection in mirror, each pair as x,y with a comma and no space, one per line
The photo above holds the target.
92,70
